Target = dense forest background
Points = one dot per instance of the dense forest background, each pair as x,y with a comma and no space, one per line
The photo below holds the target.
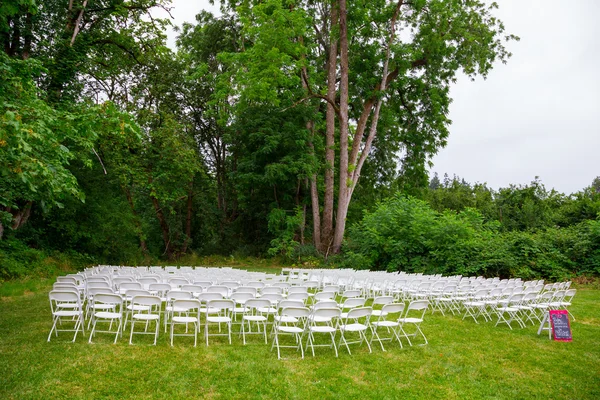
295,129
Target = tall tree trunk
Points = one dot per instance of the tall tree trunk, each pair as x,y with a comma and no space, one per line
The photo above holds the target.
164,227
21,216
136,219
188,219
327,222
342,209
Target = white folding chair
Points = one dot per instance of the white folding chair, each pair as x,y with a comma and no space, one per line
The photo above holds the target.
219,312
291,321
145,308
388,319
107,309
61,313
355,321
185,312
511,309
323,321
171,297
254,315
415,313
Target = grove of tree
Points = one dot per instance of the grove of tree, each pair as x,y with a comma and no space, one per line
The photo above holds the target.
267,131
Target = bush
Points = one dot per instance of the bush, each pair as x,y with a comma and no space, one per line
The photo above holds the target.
405,234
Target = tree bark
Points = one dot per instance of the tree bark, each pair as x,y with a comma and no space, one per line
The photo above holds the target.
342,209
136,219
327,223
188,219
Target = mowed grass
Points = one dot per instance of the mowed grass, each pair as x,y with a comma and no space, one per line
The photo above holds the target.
463,360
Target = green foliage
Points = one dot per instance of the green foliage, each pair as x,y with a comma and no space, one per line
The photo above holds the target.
18,260
406,234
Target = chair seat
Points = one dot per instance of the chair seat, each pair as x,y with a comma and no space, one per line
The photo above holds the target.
385,323
146,317
254,318
410,320
353,327
290,329
378,313
107,315
322,329
218,319
184,319
67,313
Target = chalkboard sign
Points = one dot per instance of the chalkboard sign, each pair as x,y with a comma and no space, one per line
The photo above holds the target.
561,329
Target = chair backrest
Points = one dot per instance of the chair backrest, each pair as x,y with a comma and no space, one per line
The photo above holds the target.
298,296
66,279
297,312
192,288
290,303
331,288
569,294
108,298
147,280
179,295
147,300
331,312
64,296
204,284
297,289
324,296
418,305
246,289
98,284
131,293
230,284
222,304
359,312
351,293
207,296
183,305
223,290
96,291
256,284
241,297
392,308
271,290
274,298
383,300
354,302
124,286
325,304
257,303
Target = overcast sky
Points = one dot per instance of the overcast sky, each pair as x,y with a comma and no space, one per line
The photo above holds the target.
538,115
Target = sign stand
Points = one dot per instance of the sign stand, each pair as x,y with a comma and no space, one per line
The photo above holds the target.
543,327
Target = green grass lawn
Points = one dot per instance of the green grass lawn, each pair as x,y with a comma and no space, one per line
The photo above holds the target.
463,360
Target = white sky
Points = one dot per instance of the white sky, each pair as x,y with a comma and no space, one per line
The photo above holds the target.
538,115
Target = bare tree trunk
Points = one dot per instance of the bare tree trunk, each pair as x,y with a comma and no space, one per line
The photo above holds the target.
188,219
21,216
136,219
327,223
314,198
164,226
342,209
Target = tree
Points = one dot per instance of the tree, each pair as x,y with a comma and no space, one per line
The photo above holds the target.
361,64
